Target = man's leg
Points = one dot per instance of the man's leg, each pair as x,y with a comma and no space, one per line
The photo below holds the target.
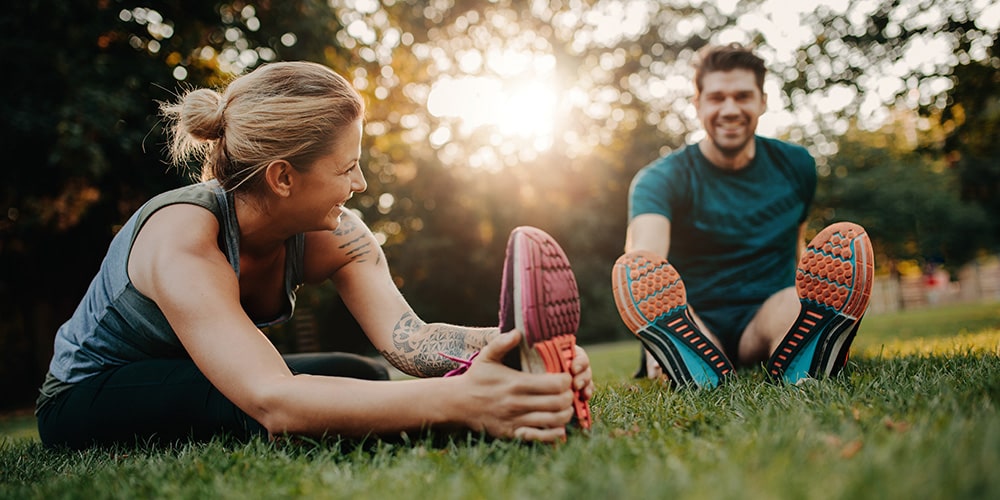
765,331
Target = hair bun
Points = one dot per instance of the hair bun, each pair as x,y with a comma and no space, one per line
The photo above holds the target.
203,114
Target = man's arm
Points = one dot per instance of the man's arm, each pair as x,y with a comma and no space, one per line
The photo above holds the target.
802,242
649,232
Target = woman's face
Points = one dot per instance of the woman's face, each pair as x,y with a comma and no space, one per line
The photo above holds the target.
332,180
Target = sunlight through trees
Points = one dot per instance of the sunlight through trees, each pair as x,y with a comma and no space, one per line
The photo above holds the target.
487,115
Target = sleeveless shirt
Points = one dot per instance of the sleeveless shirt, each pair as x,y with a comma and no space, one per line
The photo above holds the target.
115,324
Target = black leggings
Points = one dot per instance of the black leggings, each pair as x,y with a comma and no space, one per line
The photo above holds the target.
167,400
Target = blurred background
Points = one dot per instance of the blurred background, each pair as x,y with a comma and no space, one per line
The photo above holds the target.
486,115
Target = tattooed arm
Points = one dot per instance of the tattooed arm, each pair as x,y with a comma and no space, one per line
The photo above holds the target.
417,347
353,259
489,397
329,251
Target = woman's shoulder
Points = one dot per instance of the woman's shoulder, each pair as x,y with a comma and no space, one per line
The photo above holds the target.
185,205
203,194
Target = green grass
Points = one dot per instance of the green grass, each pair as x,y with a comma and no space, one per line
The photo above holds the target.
915,416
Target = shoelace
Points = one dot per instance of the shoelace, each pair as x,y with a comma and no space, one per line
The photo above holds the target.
463,364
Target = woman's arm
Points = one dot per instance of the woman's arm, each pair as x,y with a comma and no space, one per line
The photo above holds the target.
417,348
353,259
176,262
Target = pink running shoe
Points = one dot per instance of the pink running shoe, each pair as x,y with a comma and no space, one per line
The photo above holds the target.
539,297
834,283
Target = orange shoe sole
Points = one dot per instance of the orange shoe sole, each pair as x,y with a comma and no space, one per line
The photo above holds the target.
833,281
652,302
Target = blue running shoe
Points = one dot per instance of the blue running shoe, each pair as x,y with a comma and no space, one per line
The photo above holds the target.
834,284
652,301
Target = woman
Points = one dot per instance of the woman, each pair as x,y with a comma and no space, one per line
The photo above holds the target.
166,343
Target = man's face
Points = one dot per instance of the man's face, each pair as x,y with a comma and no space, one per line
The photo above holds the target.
728,107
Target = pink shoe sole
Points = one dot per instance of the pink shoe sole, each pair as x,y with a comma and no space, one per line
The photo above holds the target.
540,298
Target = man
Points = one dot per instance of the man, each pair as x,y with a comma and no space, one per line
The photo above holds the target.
730,213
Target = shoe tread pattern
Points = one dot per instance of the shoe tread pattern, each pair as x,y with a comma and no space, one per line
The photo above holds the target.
652,302
550,306
833,281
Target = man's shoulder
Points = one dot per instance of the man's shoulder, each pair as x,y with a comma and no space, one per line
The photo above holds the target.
792,159
785,148
678,158
664,169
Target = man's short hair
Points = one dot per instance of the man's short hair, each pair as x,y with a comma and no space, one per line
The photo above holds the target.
727,58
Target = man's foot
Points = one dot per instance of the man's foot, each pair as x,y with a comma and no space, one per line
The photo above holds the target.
652,302
834,283
539,297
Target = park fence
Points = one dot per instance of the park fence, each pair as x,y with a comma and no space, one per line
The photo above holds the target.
975,282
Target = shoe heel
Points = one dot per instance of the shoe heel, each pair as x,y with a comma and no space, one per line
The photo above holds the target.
557,355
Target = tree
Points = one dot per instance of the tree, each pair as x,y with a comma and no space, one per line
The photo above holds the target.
939,59
906,199
972,117
75,121
454,200
81,119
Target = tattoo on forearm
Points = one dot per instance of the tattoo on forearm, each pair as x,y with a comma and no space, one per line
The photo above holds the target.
418,346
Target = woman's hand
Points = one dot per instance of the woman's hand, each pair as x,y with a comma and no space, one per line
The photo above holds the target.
583,378
513,404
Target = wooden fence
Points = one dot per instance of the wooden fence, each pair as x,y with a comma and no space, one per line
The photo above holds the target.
976,282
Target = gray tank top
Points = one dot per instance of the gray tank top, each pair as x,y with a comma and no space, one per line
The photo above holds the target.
115,324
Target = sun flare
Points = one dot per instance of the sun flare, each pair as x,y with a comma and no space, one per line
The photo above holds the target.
523,109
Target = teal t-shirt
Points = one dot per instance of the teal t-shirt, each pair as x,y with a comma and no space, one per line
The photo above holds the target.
733,234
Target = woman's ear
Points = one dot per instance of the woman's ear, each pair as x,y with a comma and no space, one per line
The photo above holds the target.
279,177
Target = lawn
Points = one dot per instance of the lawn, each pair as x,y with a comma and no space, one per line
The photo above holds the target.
914,416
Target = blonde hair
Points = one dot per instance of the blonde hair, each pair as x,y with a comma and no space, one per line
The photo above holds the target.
291,111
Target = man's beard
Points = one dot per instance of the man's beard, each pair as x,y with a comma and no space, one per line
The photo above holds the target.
731,152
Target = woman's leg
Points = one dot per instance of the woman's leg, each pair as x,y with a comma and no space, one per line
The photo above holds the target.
167,400
161,400
336,364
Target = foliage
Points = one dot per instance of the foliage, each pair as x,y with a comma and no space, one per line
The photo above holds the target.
907,201
80,115
974,110
873,57
74,120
